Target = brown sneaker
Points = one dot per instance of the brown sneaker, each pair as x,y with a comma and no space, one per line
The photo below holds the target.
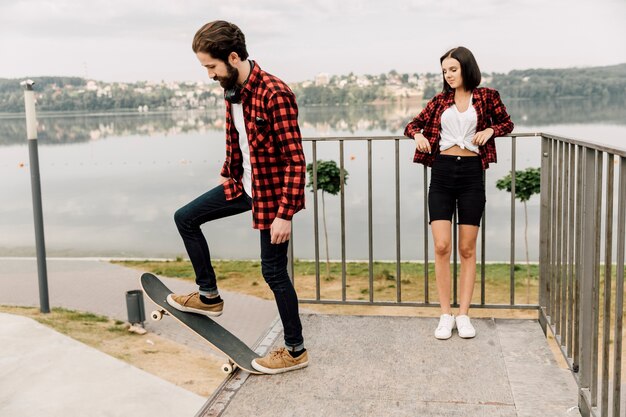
191,303
279,361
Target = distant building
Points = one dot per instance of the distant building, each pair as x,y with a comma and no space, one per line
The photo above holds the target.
362,81
322,79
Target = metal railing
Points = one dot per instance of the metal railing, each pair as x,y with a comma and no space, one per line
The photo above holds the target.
579,227
577,242
399,299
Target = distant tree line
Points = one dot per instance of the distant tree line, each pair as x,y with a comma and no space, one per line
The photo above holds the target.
78,94
597,82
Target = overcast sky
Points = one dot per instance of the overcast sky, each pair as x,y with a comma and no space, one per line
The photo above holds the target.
130,40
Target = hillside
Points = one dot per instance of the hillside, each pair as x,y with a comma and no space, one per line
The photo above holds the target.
79,94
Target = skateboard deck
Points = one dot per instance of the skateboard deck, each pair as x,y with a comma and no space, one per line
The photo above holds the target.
238,353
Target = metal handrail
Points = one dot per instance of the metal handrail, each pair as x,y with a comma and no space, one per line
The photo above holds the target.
399,299
577,178
577,181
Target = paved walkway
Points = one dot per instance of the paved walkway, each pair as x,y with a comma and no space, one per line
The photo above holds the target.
366,366
45,373
100,287
393,366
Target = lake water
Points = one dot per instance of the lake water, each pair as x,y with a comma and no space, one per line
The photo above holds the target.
111,183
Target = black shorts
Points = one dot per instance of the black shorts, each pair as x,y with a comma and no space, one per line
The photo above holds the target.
457,181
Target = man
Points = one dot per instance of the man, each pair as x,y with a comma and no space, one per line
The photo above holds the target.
264,171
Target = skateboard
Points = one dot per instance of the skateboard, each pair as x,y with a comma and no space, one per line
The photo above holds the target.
238,353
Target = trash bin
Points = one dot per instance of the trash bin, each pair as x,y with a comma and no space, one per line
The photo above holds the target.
135,308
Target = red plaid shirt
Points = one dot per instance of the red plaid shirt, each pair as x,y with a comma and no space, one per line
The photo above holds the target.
276,156
490,112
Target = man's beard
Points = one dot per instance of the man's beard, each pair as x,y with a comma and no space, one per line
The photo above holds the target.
230,81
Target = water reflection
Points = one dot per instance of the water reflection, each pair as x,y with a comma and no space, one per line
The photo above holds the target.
66,129
389,119
582,110
117,197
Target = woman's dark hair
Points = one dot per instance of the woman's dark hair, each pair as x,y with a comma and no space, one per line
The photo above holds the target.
469,68
219,39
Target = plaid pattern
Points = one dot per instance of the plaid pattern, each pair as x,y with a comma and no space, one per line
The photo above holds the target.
276,156
490,112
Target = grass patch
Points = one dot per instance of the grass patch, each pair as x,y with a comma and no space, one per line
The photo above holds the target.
89,328
245,277
72,315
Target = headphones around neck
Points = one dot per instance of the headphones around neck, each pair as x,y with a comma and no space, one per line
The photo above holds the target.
233,95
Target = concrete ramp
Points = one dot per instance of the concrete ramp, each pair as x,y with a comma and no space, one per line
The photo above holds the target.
393,366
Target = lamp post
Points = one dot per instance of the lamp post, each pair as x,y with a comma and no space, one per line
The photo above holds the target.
31,133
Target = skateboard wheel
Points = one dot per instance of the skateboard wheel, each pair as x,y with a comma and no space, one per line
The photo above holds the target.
156,315
227,368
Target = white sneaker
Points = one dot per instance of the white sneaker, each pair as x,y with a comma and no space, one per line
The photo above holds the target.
466,330
444,329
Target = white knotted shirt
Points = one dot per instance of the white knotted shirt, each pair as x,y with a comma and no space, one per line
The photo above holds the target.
458,128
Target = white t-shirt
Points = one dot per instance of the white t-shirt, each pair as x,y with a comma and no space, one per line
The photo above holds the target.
240,125
458,128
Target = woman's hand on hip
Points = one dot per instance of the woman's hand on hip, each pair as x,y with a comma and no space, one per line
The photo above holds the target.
421,143
480,138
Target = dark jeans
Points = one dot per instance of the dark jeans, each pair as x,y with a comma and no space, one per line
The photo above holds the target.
213,205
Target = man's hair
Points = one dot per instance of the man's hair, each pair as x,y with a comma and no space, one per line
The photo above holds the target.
469,68
219,39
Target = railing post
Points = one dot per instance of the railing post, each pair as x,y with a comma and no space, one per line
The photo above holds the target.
596,275
558,242
578,232
398,249
571,246
554,192
565,238
342,177
425,224
483,252
370,220
587,282
316,224
512,220
544,231
619,289
608,254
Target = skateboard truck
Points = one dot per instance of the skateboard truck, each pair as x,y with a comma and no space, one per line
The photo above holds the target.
157,315
229,367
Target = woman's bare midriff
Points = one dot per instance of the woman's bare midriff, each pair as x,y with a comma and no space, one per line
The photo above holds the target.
456,151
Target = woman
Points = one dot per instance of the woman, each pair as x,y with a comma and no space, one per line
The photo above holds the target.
454,135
